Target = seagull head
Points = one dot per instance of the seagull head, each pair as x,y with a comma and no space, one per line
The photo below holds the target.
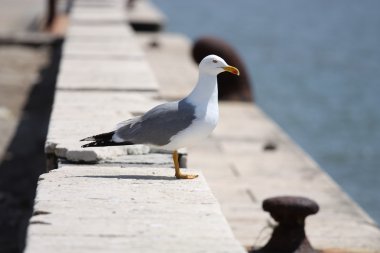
215,65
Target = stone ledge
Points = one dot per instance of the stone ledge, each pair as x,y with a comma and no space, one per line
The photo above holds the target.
113,208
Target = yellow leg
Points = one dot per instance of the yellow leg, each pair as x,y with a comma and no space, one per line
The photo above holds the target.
178,173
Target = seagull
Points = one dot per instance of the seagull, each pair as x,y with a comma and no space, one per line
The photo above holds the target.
174,125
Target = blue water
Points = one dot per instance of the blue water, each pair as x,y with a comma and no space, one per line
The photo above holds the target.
316,72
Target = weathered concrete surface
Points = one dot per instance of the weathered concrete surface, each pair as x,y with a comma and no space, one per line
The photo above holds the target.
126,209
104,57
105,74
92,18
99,31
110,15
109,48
99,39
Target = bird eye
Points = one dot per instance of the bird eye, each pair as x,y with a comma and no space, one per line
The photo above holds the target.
214,61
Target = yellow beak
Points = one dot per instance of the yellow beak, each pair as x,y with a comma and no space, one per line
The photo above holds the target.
232,70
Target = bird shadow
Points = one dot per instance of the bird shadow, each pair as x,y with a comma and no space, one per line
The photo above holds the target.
131,177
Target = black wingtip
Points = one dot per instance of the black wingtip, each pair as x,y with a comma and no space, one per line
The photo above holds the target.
91,144
100,137
106,143
88,139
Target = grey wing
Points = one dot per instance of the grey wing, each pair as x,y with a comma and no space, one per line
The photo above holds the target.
159,124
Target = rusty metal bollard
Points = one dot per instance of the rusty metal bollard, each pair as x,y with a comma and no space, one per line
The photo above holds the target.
289,235
130,4
230,87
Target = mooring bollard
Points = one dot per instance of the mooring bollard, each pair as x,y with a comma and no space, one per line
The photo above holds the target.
289,235
230,87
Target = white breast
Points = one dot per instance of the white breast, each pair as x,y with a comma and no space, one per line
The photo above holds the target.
204,98
204,123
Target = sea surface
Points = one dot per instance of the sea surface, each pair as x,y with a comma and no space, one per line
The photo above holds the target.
316,71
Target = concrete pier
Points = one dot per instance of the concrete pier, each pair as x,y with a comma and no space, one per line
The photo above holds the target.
119,199
125,199
118,208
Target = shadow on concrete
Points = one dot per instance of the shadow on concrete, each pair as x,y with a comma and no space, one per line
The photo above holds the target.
25,159
134,177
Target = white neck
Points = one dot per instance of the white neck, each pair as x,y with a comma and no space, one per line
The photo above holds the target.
205,90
